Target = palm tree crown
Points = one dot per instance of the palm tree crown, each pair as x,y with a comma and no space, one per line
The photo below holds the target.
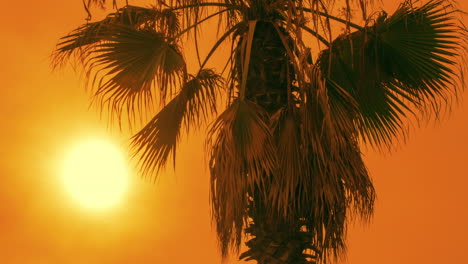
284,149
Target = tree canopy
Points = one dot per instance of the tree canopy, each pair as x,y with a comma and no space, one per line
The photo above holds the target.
299,99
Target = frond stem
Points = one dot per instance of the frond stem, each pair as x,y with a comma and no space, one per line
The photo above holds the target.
289,52
315,34
343,21
205,4
216,45
198,23
246,65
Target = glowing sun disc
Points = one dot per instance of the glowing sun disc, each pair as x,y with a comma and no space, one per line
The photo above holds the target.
95,174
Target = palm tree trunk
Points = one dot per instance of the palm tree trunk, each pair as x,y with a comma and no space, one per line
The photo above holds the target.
267,81
273,239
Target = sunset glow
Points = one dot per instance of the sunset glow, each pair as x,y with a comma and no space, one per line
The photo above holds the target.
71,194
95,174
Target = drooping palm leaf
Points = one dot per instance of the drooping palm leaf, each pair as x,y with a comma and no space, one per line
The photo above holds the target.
291,166
194,103
335,180
242,157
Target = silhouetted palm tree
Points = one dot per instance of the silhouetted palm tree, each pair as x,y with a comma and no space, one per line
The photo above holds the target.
284,153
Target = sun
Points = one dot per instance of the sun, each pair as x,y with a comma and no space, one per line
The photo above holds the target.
95,174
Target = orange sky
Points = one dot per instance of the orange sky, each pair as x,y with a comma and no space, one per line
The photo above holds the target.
421,211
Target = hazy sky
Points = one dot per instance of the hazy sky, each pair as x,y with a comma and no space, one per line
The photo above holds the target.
421,211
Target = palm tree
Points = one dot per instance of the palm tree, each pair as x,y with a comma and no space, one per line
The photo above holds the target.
284,152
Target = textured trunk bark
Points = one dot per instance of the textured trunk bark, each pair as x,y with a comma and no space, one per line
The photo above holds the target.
275,241
267,81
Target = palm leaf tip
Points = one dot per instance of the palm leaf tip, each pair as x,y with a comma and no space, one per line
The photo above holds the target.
202,91
158,139
195,102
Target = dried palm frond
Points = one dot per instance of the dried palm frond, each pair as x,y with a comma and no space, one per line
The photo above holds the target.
242,157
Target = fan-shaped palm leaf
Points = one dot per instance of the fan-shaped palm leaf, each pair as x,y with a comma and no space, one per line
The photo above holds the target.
79,40
125,66
399,63
125,54
132,61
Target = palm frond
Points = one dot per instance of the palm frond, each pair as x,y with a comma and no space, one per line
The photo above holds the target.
399,64
418,46
202,91
194,103
122,63
334,177
242,157
79,41
125,69
291,163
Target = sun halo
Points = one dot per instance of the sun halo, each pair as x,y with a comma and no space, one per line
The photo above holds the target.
95,174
